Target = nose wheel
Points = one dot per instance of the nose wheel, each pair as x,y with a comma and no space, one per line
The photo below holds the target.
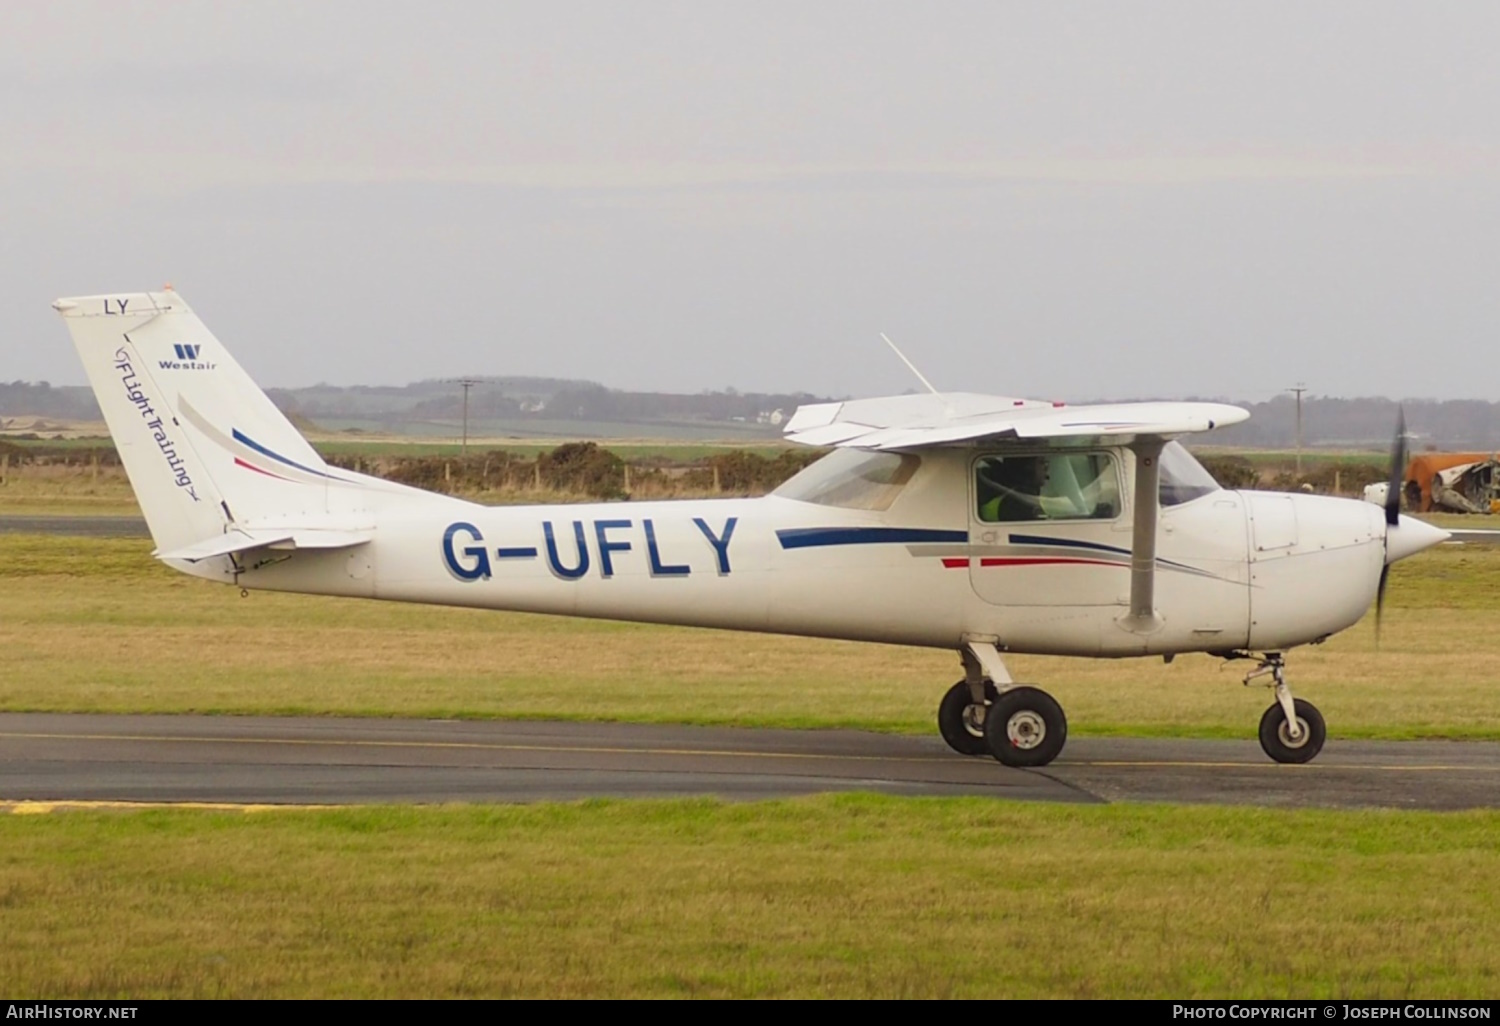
1292,730
1284,744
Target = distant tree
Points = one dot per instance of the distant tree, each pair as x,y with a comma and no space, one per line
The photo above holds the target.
584,468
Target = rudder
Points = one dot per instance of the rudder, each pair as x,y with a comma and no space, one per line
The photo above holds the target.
190,425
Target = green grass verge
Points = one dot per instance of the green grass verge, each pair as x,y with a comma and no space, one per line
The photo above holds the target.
847,896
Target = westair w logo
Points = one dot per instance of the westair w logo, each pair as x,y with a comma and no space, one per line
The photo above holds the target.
189,358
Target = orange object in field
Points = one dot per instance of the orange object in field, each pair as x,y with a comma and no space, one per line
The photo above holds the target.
1422,469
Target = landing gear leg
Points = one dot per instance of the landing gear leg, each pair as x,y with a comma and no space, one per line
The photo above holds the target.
961,719
962,712
986,713
1292,730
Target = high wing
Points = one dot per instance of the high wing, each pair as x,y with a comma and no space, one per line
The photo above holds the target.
955,418
918,421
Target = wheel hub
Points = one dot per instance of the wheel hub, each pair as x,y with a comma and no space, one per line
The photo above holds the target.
1026,730
974,720
1284,732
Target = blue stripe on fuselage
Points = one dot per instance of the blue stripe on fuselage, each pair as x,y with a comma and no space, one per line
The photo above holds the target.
1070,543
244,439
817,537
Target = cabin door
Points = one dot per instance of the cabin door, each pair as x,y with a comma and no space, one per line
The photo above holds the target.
1048,529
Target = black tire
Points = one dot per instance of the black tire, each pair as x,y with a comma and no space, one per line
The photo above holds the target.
1274,739
961,723
1025,727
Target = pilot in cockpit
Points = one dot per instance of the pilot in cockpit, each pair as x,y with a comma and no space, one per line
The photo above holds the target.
1011,488
1050,487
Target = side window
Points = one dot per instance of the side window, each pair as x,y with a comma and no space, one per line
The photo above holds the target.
852,479
1051,486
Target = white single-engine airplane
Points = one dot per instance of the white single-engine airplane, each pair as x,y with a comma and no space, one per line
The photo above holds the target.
975,523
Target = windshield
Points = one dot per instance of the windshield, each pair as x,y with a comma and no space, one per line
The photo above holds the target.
852,479
1183,478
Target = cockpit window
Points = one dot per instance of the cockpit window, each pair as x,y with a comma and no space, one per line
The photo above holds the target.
852,479
1050,486
1183,478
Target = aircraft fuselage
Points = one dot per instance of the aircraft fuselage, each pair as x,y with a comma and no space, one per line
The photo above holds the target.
1235,570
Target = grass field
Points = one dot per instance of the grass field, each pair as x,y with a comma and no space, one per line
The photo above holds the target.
852,896
67,491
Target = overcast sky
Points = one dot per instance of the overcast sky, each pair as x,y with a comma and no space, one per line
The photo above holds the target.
1061,200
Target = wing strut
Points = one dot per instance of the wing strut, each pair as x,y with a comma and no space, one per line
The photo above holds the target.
1142,618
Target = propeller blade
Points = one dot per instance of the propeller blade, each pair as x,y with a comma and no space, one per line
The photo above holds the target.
1398,473
1385,573
1392,509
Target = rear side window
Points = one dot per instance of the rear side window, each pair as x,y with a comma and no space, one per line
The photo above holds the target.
853,479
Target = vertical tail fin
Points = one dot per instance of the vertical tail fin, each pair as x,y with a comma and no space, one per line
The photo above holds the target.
203,446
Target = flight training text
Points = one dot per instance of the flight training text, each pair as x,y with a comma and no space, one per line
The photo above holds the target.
143,402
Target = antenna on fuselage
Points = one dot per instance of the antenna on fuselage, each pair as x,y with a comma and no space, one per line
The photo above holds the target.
911,366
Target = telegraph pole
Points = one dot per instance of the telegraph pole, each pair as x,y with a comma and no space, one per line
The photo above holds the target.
467,384
1299,389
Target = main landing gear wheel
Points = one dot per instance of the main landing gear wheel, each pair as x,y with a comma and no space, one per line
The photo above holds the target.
1276,739
961,722
1025,727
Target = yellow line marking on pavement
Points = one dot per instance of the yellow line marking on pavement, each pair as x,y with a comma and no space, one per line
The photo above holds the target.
731,753
27,807
479,746
1327,767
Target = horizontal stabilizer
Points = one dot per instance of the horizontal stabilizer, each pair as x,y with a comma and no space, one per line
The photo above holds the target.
242,539
207,451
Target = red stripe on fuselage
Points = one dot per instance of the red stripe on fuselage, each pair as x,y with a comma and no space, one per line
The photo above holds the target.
241,463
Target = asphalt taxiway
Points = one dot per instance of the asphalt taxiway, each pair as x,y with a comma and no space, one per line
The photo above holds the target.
60,759
75,526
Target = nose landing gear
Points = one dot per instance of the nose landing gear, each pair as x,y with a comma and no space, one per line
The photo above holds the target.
1292,730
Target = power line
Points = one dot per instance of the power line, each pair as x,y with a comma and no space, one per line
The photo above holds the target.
467,384
1299,388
